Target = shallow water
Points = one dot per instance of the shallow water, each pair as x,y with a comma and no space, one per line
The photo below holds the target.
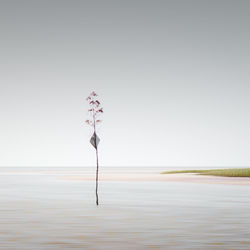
40,211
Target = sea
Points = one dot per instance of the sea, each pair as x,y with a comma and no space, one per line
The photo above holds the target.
40,209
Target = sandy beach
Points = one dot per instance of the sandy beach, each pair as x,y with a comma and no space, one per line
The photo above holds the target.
186,177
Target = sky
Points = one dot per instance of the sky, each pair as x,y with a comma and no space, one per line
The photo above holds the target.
172,76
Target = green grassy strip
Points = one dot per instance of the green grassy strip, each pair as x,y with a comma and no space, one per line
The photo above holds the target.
231,172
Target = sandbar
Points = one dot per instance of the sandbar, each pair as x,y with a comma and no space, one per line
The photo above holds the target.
185,177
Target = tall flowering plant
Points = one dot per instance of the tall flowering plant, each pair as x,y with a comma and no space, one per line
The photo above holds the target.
95,110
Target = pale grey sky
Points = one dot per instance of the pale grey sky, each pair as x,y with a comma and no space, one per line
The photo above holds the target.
173,78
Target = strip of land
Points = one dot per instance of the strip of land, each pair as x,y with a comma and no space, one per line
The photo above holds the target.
231,172
220,176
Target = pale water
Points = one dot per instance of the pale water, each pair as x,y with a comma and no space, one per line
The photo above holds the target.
41,211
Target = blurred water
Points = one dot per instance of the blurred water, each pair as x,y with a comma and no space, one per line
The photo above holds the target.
40,211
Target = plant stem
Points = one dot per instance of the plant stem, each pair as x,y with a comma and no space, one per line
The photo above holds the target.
97,169
97,165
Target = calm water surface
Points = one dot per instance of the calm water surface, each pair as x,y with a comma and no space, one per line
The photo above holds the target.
41,211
